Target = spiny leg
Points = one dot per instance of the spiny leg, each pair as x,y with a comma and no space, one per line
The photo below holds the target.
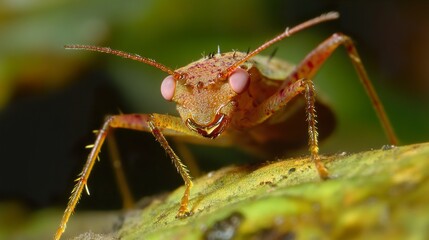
154,123
313,144
314,60
187,157
294,85
181,168
279,100
82,178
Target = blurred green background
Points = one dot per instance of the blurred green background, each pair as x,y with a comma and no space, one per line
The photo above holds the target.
51,99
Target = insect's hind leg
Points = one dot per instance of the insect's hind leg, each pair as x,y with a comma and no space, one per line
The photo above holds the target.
314,60
115,160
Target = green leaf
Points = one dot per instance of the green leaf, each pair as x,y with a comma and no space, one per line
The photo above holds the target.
371,195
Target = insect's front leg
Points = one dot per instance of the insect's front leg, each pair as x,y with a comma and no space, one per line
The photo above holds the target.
158,125
155,126
310,98
279,100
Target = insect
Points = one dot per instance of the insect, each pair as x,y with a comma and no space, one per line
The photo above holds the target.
231,97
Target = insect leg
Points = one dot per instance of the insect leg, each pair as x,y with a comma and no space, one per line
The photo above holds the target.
181,168
310,99
82,178
158,125
279,100
123,186
314,60
187,158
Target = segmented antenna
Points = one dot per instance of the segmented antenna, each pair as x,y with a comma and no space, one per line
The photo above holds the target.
119,53
288,32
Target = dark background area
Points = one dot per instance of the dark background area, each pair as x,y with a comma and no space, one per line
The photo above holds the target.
51,99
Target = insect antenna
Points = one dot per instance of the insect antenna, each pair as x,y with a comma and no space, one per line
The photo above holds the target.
119,53
287,33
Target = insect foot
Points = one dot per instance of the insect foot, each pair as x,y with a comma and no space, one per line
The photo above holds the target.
184,214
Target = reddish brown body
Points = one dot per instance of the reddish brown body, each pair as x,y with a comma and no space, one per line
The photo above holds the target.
235,98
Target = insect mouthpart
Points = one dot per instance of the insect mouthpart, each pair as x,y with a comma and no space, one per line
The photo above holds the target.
211,130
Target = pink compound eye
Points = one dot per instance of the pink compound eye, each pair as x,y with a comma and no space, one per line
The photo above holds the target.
239,80
168,86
